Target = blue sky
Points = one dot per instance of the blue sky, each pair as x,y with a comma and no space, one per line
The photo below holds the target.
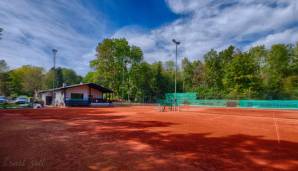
33,27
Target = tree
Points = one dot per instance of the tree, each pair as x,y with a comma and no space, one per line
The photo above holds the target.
111,64
90,77
52,74
192,73
15,84
198,74
241,78
4,78
26,80
294,60
170,67
258,73
290,87
159,85
290,80
70,76
277,68
141,89
226,55
135,54
259,54
58,77
213,69
62,75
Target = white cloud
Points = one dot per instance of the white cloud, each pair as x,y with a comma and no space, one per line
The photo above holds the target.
184,6
217,24
33,28
289,36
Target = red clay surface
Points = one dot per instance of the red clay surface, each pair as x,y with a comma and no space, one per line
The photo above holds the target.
141,138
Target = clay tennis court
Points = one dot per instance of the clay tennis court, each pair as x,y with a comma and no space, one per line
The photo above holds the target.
142,138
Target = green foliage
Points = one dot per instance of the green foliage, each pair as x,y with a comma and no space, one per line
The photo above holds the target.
70,76
140,83
293,55
90,77
277,68
241,79
226,55
290,87
113,63
213,70
4,78
15,84
58,77
110,63
192,74
256,74
259,73
160,80
61,75
27,79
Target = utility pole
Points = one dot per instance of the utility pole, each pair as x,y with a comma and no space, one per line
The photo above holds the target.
54,69
176,43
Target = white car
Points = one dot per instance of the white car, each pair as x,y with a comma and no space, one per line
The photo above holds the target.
37,106
22,100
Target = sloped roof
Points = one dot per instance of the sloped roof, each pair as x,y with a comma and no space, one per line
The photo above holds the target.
93,85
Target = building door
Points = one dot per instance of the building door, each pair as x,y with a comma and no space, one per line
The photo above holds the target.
49,100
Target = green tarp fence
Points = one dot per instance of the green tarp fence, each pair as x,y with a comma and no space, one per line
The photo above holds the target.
216,103
181,98
278,104
191,99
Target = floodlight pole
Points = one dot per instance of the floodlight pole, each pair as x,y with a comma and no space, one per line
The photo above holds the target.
124,65
176,43
122,78
54,69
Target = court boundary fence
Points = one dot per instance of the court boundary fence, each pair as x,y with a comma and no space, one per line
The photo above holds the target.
173,102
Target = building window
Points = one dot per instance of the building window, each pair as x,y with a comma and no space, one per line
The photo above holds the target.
76,96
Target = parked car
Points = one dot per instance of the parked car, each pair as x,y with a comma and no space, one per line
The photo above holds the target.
22,100
3,100
37,104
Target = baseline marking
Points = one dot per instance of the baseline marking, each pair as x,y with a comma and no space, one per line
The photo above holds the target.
276,128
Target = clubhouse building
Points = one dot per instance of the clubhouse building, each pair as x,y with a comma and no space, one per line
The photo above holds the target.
83,94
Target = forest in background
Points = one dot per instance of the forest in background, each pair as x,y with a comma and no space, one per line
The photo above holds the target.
257,73
27,79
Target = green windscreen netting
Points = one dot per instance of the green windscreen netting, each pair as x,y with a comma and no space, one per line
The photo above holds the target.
181,98
216,103
278,104
191,100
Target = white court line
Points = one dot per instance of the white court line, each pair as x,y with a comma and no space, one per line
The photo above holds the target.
276,128
215,118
